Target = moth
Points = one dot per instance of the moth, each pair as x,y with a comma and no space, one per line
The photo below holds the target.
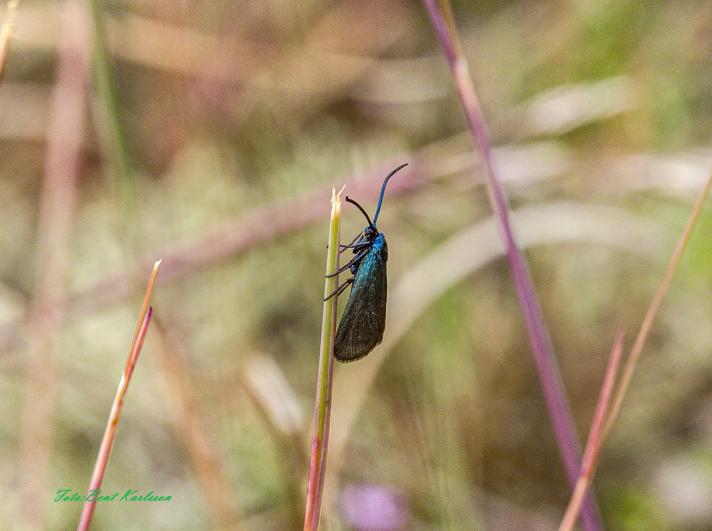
364,319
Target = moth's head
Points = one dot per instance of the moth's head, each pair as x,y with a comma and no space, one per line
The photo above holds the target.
370,232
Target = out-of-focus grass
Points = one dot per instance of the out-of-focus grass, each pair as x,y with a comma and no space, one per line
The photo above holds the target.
273,100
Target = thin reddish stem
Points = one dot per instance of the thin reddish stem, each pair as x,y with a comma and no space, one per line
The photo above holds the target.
655,305
593,444
107,441
603,422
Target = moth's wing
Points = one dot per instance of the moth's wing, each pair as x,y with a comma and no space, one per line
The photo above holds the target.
364,318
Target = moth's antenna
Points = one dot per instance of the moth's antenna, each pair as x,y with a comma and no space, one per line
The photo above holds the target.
383,191
349,200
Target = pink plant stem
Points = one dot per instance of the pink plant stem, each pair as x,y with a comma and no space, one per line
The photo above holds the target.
544,358
593,444
317,463
107,442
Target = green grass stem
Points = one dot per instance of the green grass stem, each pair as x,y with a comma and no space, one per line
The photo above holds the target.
322,407
109,109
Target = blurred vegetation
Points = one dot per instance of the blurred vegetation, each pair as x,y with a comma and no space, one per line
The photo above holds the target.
230,108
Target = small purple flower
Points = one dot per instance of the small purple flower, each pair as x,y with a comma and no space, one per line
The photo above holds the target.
373,507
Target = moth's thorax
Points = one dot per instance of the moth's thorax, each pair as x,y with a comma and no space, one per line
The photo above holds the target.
380,246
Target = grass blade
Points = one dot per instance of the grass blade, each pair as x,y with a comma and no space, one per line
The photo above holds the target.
655,305
107,442
590,454
598,435
108,108
544,358
322,407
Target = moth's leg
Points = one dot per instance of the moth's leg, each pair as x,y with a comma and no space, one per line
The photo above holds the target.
351,245
341,288
353,261
358,247
354,246
357,241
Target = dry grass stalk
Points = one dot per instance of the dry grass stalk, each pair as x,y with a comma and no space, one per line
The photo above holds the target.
107,441
599,430
637,348
590,454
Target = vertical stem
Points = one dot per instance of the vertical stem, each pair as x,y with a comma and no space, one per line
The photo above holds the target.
114,133
322,408
113,138
542,349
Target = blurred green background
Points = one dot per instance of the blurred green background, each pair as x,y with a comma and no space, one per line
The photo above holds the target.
210,133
